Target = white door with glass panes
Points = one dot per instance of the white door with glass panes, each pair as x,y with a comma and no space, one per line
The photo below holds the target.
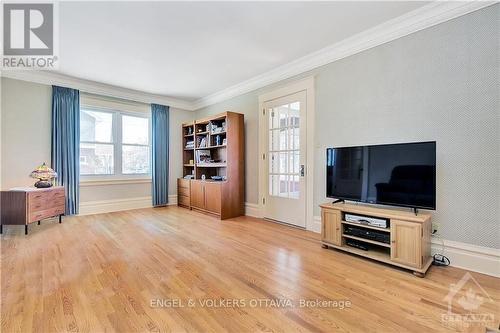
285,197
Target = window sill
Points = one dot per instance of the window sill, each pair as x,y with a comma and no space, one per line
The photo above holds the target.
124,181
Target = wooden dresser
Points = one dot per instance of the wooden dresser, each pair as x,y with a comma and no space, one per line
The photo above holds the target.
22,206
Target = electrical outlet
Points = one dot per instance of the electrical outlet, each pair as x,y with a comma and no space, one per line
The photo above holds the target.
435,227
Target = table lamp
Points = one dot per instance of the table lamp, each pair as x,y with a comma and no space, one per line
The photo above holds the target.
44,174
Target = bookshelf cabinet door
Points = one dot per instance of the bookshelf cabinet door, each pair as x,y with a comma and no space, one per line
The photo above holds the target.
331,230
197,195
406,243
213,197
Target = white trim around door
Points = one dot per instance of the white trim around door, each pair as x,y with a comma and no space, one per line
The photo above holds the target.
306,85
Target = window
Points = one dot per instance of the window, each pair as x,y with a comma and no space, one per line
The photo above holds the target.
135,145
114,143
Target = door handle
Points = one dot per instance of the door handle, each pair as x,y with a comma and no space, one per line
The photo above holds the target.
302,170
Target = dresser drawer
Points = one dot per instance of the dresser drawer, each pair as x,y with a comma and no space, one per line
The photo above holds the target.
48,195
43,214
183,191
183,183
47,202
184,200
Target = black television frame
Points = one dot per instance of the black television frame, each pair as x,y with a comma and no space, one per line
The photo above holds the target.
383,203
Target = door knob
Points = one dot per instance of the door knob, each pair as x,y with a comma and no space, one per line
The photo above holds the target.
302,170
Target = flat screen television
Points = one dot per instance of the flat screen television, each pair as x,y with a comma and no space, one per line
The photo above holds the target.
402,174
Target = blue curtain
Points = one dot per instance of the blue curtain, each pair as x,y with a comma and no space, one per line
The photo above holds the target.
66,143
159,115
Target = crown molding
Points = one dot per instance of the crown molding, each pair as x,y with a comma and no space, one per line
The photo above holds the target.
416,20
427,16
97,88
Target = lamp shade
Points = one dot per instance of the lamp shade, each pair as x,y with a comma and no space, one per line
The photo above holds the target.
43,172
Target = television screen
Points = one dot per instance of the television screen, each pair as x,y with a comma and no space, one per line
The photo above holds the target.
394,174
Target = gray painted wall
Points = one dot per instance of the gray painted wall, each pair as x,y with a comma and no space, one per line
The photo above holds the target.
26,123
437,84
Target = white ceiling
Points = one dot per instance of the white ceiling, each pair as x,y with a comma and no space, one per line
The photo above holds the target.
188,50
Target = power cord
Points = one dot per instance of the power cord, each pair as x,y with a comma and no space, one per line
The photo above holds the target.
439,259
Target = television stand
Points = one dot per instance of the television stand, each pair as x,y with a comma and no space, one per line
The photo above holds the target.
409,234
338,201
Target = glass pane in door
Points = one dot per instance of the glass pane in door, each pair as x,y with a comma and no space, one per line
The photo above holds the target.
284,150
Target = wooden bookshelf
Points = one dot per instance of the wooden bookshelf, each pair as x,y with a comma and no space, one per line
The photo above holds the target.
188,151
213,146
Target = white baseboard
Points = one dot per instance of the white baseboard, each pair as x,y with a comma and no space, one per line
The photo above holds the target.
316,224
172,200
462,255
467,256
253,210
116,205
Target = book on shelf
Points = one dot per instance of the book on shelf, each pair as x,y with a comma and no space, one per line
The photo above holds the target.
203,156
203,143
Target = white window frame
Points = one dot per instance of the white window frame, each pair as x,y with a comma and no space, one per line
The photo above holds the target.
117,142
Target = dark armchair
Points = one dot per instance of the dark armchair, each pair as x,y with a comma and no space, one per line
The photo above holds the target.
412,185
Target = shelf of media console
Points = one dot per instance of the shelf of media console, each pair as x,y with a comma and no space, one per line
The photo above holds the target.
369,241
361,225
361,239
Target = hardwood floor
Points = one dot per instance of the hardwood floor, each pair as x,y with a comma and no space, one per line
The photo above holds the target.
111,273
